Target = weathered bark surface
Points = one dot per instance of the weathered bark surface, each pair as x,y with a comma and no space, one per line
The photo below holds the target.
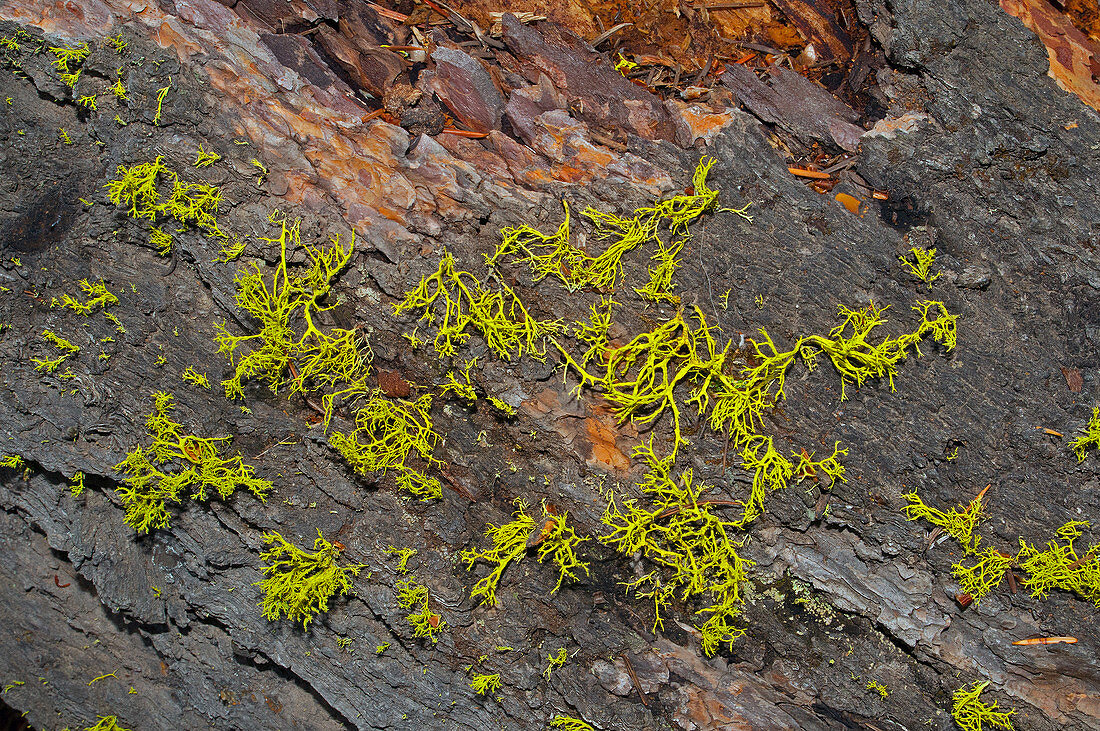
1000,178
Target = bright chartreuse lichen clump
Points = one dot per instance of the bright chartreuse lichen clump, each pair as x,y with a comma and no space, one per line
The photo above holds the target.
921,265
403,555
140,188
413,598
299,584
682,532
971,714
483,683
387,432
68,61
568,723
107,723
1089,436
157,474
331,360
498,316
552,255
190,375
1061,567
98,296
76,487
555,540
959,522
68,350
11,461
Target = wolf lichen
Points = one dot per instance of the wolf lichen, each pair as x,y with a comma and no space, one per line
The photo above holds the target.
1089,436
509,544
107,723
878,688
555,540
299,584
555,661
959,522
68,350
971,714
190,375
553,254
11,461
139,188
68,61
98,296
161,94
921,265
558,542
331,360
568,723
681,532
403,555
386,433
985,575
413,597
76,487
174,461
1061,567
483,683
205,158
499,316
659,287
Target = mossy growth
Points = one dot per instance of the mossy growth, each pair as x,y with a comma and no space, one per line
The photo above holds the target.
971,714
403,555
1089,436
483,683
98,296
959,522
299,584
68,61
1061,567
680,530
921,265
387,432
291,351
878,688
156,475
568,723
552,255
413,598
76,487
555,660
498,315
510,542
154,192
190,375
11,461
68,350
107,723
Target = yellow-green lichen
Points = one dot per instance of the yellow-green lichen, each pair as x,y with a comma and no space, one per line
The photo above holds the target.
971,714
298,584
921,264
332,360
156,475
1089,436
413,597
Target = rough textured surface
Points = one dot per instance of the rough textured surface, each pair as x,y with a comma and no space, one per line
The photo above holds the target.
998,179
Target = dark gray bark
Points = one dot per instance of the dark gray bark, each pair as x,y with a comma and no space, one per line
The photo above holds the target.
993,179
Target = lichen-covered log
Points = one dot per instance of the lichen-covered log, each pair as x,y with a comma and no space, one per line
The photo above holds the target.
850,616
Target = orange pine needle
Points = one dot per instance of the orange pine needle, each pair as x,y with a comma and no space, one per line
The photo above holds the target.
465,133
807,173
1050,431
1047,641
